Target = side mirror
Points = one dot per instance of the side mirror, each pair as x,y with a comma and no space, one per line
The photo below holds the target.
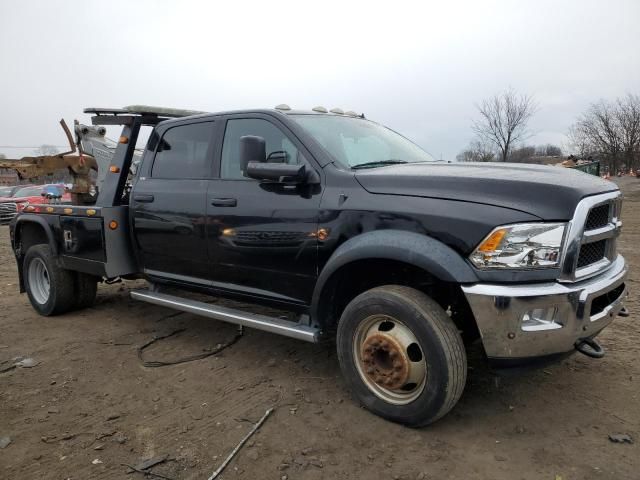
278,172
279,156
252,149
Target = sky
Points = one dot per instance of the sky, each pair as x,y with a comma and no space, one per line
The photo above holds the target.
420,68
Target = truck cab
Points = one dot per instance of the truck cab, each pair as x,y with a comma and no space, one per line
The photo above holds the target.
352,228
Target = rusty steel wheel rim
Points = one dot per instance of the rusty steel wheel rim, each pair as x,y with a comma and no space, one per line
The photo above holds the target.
389,359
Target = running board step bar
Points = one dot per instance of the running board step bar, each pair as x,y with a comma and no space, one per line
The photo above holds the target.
239,317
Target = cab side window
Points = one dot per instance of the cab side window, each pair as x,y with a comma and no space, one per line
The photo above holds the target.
278,147
184,152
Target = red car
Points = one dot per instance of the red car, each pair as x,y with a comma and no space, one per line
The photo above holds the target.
31,194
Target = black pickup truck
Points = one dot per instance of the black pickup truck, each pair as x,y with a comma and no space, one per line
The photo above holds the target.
354,230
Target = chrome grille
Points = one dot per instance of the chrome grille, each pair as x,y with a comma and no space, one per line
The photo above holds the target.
592,253
598,217
8,210
590,246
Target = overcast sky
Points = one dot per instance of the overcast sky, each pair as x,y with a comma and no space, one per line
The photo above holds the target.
419,68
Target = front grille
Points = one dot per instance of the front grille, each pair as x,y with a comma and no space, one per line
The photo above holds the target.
603,301
591,239
592,253
8,210
598,217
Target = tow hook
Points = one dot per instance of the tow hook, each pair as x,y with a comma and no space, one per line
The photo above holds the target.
623,312
589,347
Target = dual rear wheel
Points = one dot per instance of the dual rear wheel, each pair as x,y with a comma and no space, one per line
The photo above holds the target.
52,290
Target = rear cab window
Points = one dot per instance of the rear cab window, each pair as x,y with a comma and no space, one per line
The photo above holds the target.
184,152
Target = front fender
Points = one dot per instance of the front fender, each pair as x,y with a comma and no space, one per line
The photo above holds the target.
416,249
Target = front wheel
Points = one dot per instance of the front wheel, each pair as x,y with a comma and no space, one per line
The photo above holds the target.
49,287
402,355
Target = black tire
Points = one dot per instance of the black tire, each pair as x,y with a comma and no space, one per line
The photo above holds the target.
441,345
86,287
60,296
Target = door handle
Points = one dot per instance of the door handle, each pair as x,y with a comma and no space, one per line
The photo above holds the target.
224,202
143,198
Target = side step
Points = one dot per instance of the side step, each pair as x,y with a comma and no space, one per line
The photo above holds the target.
252,320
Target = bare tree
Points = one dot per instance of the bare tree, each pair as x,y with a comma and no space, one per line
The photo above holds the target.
628,113
580,142
521,154
548,150
46,150
503,120
477,151
611,131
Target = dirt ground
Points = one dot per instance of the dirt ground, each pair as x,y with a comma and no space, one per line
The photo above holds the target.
89,406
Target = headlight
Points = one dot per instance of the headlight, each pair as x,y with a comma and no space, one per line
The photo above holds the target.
524,245
21,206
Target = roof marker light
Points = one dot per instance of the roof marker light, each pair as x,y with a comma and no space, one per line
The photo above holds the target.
320,109
283,106
337,111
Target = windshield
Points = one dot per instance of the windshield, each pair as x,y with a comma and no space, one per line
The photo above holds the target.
356,142
6,191
28,192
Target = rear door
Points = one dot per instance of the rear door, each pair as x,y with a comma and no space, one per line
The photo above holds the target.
168,201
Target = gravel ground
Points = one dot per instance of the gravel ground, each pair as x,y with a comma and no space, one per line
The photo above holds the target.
89,406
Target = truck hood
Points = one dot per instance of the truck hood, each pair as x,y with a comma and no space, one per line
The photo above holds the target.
550,193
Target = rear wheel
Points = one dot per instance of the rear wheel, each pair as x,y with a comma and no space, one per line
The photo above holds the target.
402,355
49,287
86,287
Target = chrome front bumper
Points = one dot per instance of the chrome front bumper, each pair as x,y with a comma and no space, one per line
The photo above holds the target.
499,309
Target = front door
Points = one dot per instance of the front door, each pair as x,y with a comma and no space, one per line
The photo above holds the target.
262,235
168,202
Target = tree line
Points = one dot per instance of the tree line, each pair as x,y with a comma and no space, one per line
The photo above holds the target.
608,131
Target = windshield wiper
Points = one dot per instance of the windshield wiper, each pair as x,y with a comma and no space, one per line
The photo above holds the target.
378,163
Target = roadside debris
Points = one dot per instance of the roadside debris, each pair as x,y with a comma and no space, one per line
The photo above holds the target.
144,466
21,362
151,462
620,438
157,363
27,363
239,446
4,442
